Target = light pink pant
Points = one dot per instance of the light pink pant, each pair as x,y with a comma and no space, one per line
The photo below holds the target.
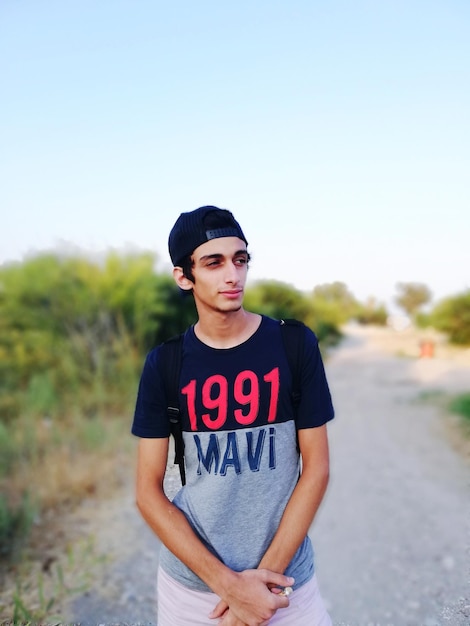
180,606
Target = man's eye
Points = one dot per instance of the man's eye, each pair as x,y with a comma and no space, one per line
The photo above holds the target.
241,261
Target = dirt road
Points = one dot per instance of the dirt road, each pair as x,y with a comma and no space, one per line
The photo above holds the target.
392,538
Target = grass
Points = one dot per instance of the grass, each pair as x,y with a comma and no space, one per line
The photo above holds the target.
60,461
15,526
460,405
49,466
432,396
455,411
40,596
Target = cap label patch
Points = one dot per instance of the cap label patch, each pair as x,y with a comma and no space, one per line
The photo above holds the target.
223,232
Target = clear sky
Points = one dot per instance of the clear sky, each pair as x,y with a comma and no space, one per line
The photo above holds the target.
337,132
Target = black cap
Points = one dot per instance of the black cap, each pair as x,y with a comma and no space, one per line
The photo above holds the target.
194,228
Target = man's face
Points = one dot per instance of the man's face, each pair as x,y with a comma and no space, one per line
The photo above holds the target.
220,270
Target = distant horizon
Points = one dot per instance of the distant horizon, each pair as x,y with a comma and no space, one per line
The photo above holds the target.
338,134
69,249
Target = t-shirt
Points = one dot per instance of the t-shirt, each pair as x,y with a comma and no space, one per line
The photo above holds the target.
239,429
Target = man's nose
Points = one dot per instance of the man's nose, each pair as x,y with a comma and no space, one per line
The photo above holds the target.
231,275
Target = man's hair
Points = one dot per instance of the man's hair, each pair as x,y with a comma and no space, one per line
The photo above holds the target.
187,265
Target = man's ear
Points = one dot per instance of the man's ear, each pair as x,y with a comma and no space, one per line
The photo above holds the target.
181,280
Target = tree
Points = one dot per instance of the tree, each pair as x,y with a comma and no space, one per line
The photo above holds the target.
412,296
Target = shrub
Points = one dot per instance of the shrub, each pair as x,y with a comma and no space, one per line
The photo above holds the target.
452,316
372,313
461,406
7,450
15,525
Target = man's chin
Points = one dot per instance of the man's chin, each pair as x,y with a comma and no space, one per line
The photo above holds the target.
234,308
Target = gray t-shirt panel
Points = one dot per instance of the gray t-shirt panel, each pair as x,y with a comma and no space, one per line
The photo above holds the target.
235,509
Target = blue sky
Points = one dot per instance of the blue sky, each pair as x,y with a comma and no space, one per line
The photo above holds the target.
337,132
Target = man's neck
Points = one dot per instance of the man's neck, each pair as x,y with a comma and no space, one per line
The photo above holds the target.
226,330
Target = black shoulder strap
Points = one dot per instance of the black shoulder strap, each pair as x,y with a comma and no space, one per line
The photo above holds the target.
171,353
293,337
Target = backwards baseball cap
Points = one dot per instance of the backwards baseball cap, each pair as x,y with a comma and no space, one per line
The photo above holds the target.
194,228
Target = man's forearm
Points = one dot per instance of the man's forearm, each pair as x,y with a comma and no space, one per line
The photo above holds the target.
303,503
295,523
175,532
246,593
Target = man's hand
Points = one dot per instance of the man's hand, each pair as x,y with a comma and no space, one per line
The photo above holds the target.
249,600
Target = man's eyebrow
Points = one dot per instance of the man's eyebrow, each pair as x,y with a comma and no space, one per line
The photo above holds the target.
211,256
219,255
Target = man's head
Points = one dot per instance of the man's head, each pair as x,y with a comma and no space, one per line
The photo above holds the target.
196,227
208,244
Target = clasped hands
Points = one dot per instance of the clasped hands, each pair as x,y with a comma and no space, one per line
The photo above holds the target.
252,598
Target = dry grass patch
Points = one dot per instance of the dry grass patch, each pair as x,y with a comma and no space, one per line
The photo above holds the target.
58,466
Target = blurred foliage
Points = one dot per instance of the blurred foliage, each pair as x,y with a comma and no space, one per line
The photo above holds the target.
372,312
422,320
73,332
70,325
73,336
276,299
412,297
331,306
461,406
15,525
324,310
452,317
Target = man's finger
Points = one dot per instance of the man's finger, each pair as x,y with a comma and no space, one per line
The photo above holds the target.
277,579
219,610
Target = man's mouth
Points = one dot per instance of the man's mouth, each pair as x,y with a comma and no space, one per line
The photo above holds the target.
232,293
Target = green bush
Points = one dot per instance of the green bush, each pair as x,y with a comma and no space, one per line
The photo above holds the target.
328,334
276,299
452,317
423,320
7,450
73,337
15,525
323,311
372,313
461,406
333,304
41,396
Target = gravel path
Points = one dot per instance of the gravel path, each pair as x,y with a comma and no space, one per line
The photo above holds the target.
392,537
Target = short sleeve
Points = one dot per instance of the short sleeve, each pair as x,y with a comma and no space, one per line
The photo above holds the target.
150,416
316,407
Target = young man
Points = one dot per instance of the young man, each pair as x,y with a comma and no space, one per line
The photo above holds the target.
235,536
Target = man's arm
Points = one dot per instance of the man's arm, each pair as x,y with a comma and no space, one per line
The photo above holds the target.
304,501
246,593
301,508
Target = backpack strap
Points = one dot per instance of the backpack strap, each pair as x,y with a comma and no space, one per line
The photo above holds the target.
171,353
292,332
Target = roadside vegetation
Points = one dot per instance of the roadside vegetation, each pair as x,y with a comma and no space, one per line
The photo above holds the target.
73,335
460,405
